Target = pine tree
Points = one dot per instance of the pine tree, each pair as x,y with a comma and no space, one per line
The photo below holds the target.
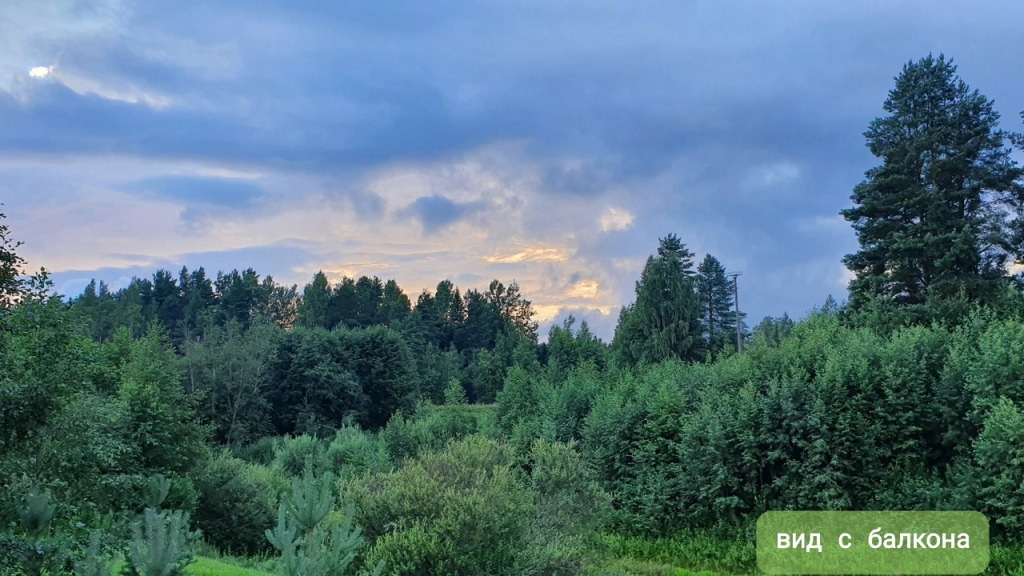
715,293
931,219
311,543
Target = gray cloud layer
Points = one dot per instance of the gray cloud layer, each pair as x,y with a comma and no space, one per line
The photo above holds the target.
497,127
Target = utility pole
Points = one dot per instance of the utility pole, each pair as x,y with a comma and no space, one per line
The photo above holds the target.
739,326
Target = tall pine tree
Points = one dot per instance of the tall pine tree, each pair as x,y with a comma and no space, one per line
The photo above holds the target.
931,219
715,294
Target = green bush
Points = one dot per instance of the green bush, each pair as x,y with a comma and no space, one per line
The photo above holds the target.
353,452
292,453
313,541
261,451
409,437
97,562
568,499
32,556
236,505
461,511
181,495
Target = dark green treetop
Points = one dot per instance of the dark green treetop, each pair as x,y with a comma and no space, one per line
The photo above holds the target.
932,218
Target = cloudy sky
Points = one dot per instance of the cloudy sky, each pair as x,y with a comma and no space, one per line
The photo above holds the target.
548,142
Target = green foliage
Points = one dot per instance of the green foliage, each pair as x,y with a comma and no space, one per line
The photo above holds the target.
486,374
455,394
407,437
11,282
155,491
30,556
96,561
386,369
715,296
161,545
519,399
324,379
211,567
294,453
569,500
567,350
697,550
664,322
353,452
310,545
568,405
159,417
37,510
931,220
310,500
999,457
236,504
231,367
261,451
459,511
315,386
313,311
437,369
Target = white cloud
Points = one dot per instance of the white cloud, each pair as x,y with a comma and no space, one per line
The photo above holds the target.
616,219
40,71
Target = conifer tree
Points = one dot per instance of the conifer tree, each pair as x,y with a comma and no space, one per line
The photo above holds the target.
316,296
715,293
664,322
931,219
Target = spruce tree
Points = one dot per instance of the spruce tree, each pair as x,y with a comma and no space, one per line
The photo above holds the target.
715,293
316,296
932,218
664,322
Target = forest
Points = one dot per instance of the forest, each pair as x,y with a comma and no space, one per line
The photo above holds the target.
207,424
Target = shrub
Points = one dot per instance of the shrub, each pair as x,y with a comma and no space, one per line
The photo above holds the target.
96,561
569,500
31,556
236,505
409,437
353,452
292,453
459,511
261,451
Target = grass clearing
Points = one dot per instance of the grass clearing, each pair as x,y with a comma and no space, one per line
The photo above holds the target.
209,567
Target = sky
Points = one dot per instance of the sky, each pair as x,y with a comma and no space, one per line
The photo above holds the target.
550,143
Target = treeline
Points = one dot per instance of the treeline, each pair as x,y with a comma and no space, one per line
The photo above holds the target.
189,304
267,360
829,417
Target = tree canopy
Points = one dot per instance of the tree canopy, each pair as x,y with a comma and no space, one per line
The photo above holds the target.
933,218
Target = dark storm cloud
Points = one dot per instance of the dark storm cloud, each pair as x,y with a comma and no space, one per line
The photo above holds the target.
436,212
226,192
365,203
737,127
